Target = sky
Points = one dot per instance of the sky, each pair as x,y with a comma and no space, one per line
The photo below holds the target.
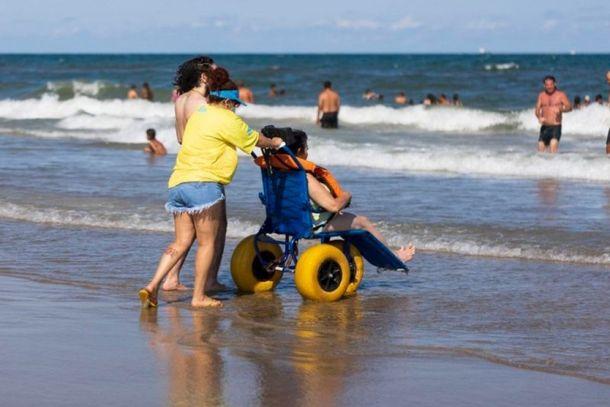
311,26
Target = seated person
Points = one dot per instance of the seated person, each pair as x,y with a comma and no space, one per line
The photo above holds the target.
332,218
154,147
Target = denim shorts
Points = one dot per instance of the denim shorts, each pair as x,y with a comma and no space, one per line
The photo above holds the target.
194,197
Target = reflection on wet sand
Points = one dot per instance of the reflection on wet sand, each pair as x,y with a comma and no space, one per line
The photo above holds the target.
547,191
607,193
194,367
290,354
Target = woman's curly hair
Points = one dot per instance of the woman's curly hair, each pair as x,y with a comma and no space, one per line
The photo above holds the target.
189,73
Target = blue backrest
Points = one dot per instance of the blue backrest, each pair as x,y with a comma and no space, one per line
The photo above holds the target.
286,200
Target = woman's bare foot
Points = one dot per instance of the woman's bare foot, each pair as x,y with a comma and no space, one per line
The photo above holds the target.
205,302
173,286
405,253
215,286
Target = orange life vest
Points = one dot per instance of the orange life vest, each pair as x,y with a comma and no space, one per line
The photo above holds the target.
284,162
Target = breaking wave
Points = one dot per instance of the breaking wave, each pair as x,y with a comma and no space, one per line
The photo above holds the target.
83,112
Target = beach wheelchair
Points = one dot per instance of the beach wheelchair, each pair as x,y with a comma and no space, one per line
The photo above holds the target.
327,271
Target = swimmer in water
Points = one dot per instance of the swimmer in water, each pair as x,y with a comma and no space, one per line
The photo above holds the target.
154,147
401,99
245,93
147,92
577,103
550,106
370,95
132,93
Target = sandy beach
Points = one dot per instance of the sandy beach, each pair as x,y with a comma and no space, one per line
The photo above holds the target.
68,345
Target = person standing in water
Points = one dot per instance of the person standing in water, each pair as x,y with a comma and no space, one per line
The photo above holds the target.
328,107
550,106
205,163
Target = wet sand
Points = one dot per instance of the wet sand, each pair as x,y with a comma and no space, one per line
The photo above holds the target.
69,345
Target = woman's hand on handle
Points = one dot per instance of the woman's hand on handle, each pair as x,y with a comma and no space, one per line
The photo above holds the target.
266,142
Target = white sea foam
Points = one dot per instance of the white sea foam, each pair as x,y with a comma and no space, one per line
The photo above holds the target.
507,66
239,228
427,118
463,160
89,122
592,121
110,220
49,106
450,244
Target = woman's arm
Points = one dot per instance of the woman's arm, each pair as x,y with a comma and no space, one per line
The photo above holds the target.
179,124
320,195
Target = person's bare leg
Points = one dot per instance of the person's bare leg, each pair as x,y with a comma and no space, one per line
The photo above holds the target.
184,235
212,283
207,228
347,221
172,281
607,148
541,147
554,145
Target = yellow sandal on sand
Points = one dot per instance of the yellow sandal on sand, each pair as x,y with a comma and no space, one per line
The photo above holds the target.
146,298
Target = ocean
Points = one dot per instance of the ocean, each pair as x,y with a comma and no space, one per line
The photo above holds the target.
513,260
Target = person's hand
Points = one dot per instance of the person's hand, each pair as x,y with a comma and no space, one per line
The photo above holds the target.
276,143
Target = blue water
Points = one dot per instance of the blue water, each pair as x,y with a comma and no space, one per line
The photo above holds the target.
478,79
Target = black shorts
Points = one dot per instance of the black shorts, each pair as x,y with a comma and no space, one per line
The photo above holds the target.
608,138
330,120
547,133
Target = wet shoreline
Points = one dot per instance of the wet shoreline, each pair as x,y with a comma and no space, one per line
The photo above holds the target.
68,345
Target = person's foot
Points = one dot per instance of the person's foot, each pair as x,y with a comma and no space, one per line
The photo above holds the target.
215,286
173,286
148,299
405,253
205,302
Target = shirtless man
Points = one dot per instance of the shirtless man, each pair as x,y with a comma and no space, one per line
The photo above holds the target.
608,138
551,104
245,93
154,147
328,107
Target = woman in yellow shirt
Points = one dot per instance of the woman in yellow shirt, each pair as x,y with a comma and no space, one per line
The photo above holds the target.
205,164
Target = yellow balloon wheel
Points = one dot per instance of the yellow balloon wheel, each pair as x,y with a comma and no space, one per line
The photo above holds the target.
356,266
322,273
246,269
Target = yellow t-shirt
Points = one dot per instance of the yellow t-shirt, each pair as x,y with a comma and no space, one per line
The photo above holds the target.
208,146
